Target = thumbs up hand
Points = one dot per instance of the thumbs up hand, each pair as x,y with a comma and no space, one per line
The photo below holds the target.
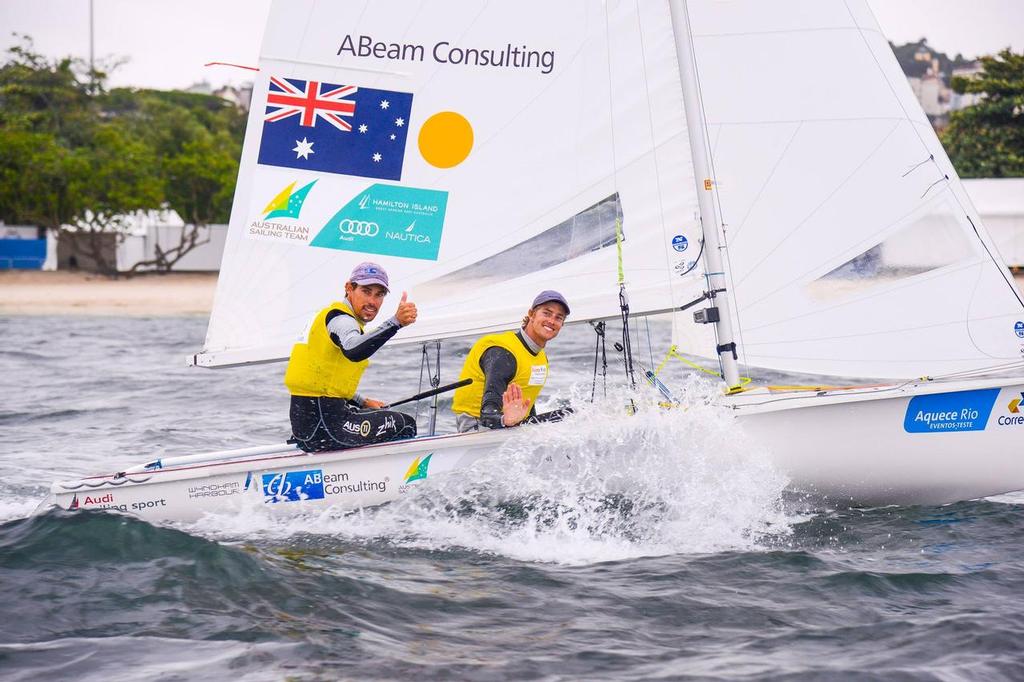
406,313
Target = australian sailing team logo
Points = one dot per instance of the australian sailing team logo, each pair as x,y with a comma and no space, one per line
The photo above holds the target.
280,217
418,469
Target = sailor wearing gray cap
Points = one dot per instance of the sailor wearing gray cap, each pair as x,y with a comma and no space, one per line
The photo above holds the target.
509,370
327,412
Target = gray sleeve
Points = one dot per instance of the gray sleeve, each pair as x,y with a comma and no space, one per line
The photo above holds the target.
356,345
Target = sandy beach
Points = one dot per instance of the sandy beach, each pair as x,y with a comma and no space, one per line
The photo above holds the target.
31,292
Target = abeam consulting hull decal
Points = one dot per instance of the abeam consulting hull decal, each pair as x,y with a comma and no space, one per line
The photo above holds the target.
314,484
388,220
945,412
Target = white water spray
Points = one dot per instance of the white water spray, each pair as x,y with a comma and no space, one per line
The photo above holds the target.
599,486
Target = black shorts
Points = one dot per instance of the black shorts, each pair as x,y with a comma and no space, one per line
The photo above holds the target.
334,423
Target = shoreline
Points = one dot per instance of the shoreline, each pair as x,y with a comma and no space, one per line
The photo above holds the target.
38,293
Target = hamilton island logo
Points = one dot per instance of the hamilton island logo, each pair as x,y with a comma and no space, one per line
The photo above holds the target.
418,469
389,220
286,205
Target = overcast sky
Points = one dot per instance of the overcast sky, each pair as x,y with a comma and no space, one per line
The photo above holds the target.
166,42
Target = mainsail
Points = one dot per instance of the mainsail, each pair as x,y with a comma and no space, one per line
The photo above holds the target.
852,248
476,151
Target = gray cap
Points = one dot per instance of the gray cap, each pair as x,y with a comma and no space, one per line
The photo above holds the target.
369,273
549,295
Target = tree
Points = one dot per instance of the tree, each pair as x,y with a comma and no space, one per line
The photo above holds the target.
199,141
80,160
986,140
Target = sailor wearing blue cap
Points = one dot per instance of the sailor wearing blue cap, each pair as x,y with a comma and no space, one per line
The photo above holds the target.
509,370
327,412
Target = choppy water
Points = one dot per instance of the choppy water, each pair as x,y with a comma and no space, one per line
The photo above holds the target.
658,547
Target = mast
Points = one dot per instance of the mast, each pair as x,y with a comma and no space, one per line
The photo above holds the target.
697,129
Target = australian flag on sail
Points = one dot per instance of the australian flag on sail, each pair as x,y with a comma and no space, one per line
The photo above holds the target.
332,128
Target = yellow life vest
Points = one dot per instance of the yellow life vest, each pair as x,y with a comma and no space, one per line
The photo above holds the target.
318,367
531,372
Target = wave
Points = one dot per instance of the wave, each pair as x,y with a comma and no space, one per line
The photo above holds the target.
599,486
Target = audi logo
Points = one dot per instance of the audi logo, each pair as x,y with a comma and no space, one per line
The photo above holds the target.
358,227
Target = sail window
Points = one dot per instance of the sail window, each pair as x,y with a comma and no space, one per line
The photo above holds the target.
589,230
932,239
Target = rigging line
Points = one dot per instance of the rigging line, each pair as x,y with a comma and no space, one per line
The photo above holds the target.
1001,269
698,85
419,383
967,319
978,371
650,349
252,271
944,178
931,157
767,181
920,138
852,174
881,71
855,249
784,31
912,281
611,127
654,155
696,261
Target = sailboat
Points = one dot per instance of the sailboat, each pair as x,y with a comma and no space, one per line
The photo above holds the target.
760,170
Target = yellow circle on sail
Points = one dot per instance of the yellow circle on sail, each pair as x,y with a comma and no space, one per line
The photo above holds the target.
446,139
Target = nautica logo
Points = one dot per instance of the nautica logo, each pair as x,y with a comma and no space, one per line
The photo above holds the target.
287,204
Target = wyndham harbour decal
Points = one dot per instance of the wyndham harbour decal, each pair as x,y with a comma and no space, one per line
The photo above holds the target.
946,412
389,220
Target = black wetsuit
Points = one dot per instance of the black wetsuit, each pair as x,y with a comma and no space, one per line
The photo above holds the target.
334,423
499,368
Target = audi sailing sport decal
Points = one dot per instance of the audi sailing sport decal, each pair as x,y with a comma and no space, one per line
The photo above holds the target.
388,220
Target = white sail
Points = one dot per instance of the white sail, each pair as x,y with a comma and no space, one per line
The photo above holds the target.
579,125
852,248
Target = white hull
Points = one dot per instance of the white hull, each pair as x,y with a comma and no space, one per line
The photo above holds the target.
922,443
877,446
282,477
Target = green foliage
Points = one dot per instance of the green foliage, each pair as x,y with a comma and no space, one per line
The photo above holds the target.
72,153
986,140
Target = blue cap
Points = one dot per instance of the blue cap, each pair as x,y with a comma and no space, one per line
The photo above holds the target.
547,296
369,273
